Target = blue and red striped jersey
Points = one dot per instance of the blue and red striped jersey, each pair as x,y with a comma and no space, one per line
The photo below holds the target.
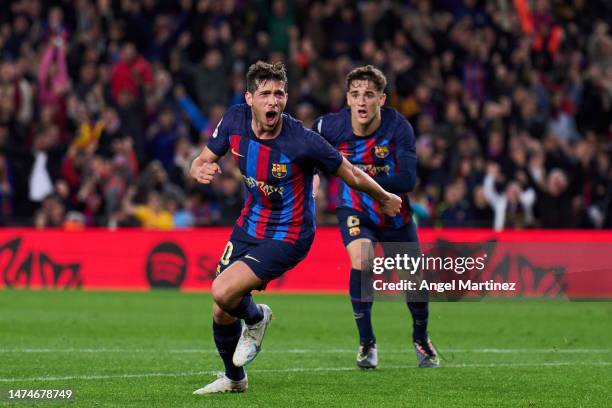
388,155
277,174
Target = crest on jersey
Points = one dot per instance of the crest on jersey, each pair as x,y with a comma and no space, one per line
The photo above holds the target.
381,151
279,170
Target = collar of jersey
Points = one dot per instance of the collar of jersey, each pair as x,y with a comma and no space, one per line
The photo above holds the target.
252,135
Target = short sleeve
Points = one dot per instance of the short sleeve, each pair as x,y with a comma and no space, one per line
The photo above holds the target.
321,153
219,141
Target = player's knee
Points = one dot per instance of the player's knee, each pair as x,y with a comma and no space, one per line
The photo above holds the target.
222,317
361,253
361,261
221,293
217,291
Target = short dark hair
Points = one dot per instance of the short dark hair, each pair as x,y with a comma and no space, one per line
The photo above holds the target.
262,71
367,73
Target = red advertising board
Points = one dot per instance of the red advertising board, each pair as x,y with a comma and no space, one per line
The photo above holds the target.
133,259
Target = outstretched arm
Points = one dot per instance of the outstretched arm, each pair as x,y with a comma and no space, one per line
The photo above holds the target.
43,68
204,167
359,180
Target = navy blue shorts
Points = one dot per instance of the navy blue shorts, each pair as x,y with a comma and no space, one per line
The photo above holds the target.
268,258
355,225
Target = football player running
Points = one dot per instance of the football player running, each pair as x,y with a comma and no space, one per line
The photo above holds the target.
277,157
380,141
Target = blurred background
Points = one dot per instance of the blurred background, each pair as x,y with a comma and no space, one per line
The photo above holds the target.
104,103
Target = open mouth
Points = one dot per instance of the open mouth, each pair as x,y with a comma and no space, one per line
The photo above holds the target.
362,113
271,117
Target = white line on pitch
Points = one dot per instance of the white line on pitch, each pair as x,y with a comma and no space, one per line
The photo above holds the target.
295,370
302,351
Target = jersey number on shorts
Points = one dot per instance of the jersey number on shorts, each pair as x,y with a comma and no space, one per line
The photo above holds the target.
352,222
227,253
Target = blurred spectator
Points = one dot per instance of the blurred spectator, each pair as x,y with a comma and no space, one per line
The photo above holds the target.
152,214
205,210
131,75
94,92
513,208
51,213
36,170
163,137
6,192
53,82
455,210
420,207
181,212
279,22
554,202
483,215
16,93
184,153
209,79
229,195
155,178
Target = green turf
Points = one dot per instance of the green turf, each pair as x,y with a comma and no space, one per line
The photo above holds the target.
154,349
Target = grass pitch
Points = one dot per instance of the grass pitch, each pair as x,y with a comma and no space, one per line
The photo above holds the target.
154,349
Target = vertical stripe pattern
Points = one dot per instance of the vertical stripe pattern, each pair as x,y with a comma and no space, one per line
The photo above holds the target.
265,204
362,151
276,202
251,174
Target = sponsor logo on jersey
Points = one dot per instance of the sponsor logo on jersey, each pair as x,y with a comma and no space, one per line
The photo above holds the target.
279,170
267,189
374,171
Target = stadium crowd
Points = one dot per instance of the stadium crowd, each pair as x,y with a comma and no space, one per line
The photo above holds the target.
103,104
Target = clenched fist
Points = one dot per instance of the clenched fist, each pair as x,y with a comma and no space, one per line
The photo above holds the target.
391,204
204,172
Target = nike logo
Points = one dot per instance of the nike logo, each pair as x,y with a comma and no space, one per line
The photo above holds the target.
236,153
250,257
216,132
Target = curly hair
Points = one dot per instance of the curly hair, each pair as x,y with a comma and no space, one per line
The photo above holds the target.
367,73
262,71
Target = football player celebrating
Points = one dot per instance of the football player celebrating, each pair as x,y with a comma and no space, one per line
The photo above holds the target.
277,157
380,141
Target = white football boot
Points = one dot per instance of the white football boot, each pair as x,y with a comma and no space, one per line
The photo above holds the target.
224,384
251,339
367,356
